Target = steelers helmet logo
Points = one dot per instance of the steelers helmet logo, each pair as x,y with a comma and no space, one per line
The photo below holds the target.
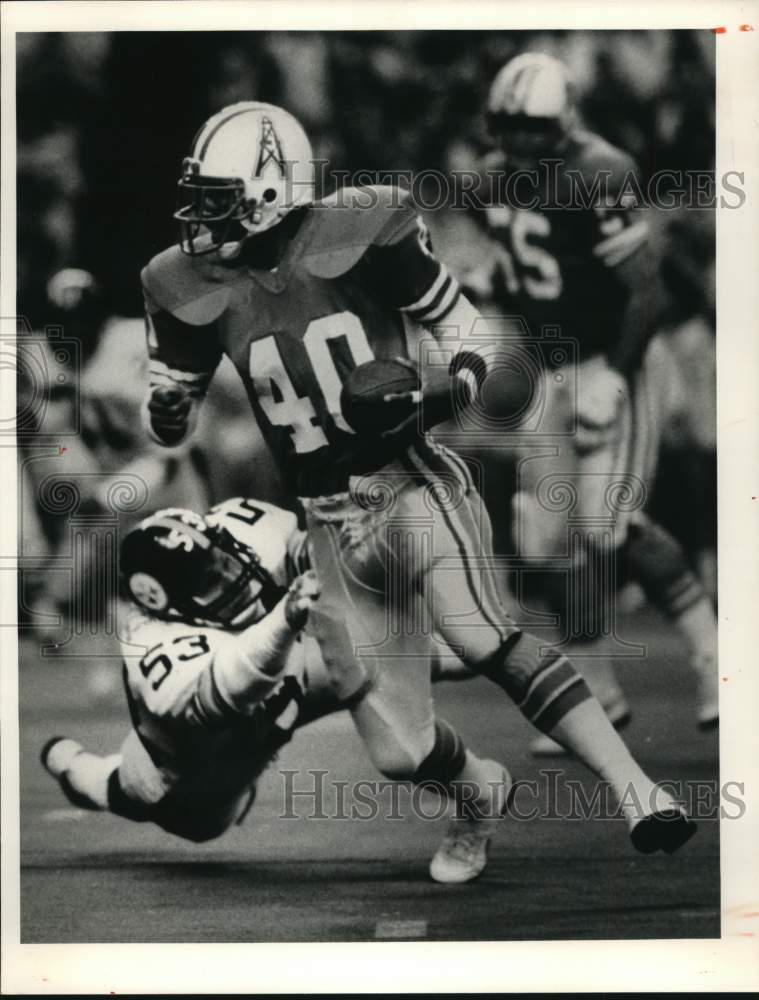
148,592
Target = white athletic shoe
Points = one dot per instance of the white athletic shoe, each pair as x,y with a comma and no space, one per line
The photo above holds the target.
463,854
90,789
57,754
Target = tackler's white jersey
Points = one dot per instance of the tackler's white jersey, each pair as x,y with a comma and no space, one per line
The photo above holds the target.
164,661
162,689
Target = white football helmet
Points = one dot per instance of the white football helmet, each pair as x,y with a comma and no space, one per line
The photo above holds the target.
531,107
251,164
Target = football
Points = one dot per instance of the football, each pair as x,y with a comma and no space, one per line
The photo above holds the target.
363,398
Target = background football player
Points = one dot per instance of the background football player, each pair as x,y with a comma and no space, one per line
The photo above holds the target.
299,293
220,603
585,262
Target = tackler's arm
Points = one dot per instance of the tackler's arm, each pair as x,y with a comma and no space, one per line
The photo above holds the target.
246,669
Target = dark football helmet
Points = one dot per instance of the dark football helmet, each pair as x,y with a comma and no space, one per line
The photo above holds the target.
177,565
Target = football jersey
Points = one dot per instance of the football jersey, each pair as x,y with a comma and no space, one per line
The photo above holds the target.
356,270
555,265
162,684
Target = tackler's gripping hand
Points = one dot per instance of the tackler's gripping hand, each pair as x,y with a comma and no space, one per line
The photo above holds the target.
169,408
303,594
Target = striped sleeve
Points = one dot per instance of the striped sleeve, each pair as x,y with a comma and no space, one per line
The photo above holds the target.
435,304
180,354
627,237
411,278
196,383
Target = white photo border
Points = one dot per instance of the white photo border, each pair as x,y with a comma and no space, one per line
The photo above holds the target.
730,963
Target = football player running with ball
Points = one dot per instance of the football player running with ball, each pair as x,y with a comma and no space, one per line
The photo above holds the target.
299,293
220,602
580,260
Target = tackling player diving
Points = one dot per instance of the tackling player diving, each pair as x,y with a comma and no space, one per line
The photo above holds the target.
219,603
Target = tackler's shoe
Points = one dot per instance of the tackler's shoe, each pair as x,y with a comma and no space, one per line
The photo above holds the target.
463,854
57,754
56,757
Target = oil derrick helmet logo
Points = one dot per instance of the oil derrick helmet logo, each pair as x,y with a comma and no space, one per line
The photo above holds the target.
269,150
239,180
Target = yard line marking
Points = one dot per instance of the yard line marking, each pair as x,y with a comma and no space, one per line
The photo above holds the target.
60,815
400,929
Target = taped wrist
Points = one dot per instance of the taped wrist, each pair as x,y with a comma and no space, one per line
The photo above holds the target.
246,669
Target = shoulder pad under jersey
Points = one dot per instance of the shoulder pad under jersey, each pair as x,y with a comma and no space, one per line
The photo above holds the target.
351,220
194,289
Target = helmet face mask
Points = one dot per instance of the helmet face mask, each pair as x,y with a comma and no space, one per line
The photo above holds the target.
525,140
214,211
250,166
177,565
229,590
